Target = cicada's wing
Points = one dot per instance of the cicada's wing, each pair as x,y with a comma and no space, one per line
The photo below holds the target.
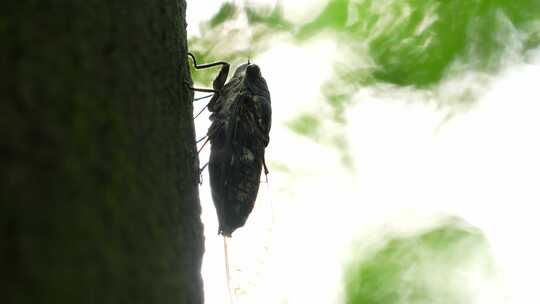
235,164
258,90
264,116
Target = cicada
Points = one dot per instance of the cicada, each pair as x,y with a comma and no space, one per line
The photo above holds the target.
241,116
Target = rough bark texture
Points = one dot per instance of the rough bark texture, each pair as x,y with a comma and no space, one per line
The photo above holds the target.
99,200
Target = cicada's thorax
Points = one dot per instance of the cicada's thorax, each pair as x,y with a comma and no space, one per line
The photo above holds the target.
237,151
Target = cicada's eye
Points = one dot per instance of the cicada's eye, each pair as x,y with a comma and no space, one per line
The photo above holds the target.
253,71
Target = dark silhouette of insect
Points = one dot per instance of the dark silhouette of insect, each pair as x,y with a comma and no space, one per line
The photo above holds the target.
239,133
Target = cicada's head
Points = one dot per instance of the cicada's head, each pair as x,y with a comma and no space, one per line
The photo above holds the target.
252,79
251,71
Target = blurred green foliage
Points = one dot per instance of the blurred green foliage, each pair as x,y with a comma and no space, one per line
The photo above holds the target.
224,37
410,42
415,42
306,124
402,43
226,12
420,43
447,264
273,19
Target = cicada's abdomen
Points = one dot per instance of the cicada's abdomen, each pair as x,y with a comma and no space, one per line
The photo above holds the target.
234,178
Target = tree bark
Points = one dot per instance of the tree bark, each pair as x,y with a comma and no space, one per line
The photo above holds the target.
99,200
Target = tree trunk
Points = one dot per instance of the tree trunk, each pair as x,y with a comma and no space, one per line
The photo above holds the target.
99,170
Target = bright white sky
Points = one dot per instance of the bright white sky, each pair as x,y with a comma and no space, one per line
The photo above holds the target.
482,165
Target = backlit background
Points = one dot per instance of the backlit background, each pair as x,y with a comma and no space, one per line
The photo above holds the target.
404,157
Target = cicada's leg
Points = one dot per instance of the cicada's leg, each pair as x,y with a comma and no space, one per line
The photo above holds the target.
204,144
265,170
204,97
204,108
200,173
200,112
219,81
198,141
203,167
199,89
